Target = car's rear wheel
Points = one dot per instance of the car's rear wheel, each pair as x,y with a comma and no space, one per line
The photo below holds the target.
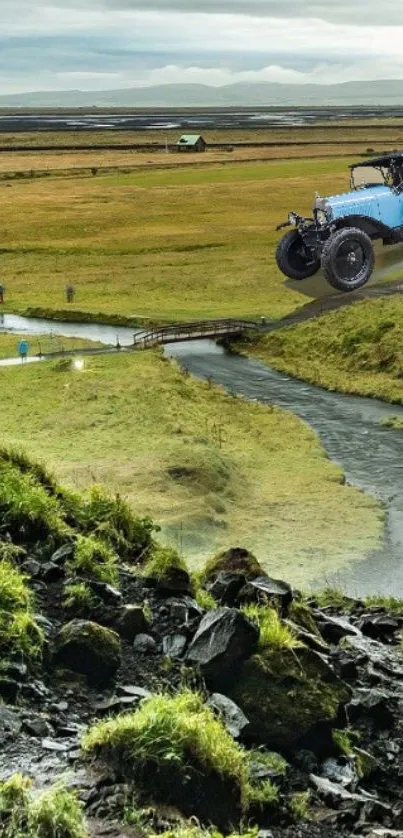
348,259
293,258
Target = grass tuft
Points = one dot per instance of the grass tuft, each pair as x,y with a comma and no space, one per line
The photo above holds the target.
274,634
55,813
167,742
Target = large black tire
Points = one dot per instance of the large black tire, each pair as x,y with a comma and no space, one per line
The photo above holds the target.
293,259
348,259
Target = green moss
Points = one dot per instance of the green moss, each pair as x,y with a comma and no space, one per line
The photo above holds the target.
300,614
27,510
298,805
174,747
274,634
333,598
19,632
79,598
165,566
286,692
95,559
56,813
389,603
235,560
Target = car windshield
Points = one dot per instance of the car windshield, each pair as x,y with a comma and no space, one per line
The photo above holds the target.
369,176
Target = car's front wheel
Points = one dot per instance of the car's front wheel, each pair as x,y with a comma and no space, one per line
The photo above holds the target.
348,259
293,259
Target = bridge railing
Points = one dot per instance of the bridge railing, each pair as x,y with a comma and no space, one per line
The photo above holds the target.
198,328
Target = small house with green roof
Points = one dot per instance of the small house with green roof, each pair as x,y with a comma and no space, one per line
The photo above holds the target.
191,142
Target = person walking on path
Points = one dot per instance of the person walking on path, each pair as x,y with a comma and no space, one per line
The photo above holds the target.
70,293
23,348
2,290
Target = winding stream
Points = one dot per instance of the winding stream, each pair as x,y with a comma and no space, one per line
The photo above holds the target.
348,427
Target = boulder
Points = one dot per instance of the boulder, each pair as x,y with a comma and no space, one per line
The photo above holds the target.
234,719
174,645
88,648
226,587
224,637
144,644
266,588
291,697
237,560
131,622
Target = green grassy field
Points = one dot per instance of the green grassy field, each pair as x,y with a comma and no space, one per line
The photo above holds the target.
163,244
213,470
358,349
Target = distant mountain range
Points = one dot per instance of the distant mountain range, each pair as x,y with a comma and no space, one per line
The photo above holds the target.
258,94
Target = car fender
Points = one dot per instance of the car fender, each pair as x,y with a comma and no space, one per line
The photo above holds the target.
371,226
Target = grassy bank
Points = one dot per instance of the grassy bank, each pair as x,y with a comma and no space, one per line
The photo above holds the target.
203,464
354,350
159,244
41,343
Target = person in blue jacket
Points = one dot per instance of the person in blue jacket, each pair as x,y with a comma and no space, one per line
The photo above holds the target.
23,349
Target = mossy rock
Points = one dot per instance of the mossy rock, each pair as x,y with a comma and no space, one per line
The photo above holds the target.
236,560
286,694
88,648
302,615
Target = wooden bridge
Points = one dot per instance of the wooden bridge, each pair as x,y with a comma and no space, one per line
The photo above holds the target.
191,331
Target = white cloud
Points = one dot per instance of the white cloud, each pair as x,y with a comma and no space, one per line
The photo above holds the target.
45,44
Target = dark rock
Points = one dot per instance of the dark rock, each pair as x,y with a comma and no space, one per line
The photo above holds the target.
184,609
9,689
291,697
306,761
348,668
63,554
379,627
373,704
311,640
131,622
54,745
10,724
38,726
226,587
340,770
174,581
144,644
335,795
333,629
45,624
14,669
174,645
51,572
234,719
266,588
132,690
89,649
224,637
32,567
107,593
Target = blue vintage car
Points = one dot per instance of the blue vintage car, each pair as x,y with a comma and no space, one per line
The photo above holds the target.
339,237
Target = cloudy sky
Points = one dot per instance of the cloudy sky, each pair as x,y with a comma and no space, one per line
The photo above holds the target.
107,44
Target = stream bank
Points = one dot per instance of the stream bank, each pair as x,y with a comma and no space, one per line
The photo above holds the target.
349,428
